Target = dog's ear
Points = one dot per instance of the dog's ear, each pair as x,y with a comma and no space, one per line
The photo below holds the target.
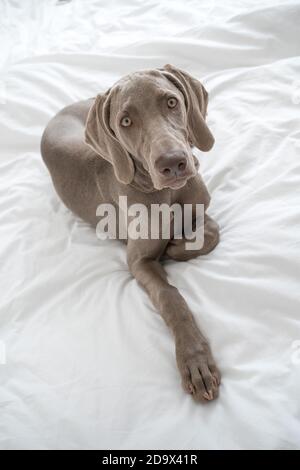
196,99
101,138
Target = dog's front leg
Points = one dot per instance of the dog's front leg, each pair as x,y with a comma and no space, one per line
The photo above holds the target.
199,374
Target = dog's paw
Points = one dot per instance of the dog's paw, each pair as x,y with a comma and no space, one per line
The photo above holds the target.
199,373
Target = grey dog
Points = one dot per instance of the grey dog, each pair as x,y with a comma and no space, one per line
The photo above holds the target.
137,140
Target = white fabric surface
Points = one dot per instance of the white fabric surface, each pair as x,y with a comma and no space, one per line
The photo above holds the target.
89,364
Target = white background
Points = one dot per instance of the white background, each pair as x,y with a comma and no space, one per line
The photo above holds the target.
89,364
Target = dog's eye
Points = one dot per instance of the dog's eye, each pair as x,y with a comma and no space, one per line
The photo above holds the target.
172,102
126,121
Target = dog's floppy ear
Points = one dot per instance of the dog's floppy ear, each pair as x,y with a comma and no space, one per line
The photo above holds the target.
196,99
101,138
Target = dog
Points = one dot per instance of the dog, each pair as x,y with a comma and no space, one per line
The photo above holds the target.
136,140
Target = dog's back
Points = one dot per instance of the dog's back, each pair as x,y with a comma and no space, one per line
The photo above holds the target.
71,163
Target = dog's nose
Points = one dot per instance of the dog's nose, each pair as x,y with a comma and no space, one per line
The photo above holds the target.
172,164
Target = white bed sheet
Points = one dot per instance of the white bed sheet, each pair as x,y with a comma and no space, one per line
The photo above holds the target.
89,364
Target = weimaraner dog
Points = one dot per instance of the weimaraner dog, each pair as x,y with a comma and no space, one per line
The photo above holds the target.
136,140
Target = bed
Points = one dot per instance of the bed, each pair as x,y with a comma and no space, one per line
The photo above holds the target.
85,361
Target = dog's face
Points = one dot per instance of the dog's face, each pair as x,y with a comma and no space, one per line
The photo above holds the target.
153,117
149,118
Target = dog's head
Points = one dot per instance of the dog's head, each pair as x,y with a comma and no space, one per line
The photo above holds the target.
151,118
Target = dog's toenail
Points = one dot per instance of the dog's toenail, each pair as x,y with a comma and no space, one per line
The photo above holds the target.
208,395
